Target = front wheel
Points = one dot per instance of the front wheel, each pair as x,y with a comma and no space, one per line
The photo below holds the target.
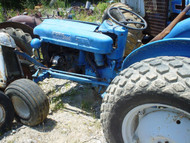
6,113
30,102
149,103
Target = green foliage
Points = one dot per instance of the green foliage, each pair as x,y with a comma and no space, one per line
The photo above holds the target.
86,105
21,4
28,4
61,4
58,106
1,14
95,16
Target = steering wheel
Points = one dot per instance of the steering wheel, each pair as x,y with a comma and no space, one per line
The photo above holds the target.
123,21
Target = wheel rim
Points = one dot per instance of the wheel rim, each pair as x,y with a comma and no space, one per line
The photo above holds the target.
2,115
156,123
21,108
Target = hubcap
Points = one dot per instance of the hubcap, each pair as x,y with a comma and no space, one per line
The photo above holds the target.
2,115
150,123
21,108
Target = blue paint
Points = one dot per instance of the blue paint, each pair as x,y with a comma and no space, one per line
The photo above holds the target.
104,73
102,95
166,47
35,43
40,75
181,30
86,37
75,35
121,33
99,59
81,60
175,3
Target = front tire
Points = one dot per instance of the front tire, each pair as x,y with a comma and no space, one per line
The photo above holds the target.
30,102
149,102
6,113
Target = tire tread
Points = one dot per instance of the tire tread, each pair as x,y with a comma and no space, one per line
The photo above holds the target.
173,80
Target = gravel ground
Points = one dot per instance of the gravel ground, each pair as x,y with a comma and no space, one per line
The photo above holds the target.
73,117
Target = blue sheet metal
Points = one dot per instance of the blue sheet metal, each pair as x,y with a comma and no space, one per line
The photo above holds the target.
181,30
77,35
175,3
166,47
121,32
46,73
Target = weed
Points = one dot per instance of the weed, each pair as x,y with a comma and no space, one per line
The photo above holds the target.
61,4
95,16
86,105
71,92
67,85
58,106
56,99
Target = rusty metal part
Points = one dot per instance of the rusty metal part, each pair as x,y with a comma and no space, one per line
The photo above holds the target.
156,16
31,21
171,25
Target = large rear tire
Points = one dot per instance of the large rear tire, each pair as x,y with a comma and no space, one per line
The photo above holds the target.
30,102
134,36
149,102
21,39
6,113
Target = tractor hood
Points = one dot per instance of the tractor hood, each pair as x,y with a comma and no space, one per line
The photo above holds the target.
74,34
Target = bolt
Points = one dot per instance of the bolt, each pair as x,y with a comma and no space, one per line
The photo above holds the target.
141,112
178,122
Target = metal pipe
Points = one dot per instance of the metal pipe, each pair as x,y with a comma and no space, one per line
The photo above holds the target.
77,79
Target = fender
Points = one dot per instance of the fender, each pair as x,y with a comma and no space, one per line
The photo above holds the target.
181,30
165,47
31,21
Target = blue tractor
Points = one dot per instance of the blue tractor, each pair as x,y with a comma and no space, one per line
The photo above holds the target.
147,97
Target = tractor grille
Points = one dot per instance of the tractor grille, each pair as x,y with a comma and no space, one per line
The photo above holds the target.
156,15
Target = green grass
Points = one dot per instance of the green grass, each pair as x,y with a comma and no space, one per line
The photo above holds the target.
95,16
84,102
1,14
58,106
57,100
86,105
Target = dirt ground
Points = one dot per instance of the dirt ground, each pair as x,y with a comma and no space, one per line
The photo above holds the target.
73,117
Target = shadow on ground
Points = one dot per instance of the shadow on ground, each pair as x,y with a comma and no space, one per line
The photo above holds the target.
47,126
83,97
